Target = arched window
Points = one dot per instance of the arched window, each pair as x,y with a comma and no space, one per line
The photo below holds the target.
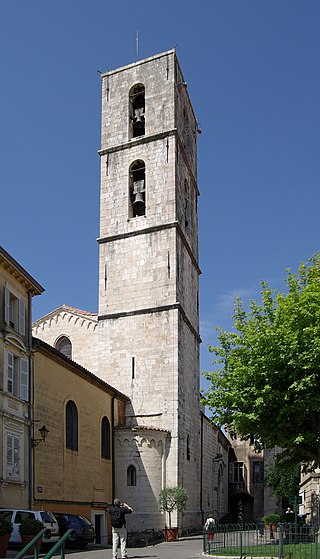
137,110
137,188
131,476
71,426
64,345
105,438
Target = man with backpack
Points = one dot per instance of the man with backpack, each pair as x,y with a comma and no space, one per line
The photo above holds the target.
119,532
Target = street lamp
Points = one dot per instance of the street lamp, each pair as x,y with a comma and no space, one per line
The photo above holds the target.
44,433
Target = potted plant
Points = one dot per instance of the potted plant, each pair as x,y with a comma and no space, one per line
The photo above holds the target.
5,533
271,521
171,499
28,529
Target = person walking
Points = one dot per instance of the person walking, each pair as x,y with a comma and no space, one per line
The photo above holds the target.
209,527
119,531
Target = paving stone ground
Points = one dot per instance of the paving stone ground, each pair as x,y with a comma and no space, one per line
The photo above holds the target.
184,548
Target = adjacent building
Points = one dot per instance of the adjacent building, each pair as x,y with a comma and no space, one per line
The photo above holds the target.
17,288
249,498
74,466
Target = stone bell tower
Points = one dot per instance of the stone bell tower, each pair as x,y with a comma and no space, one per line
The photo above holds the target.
148,281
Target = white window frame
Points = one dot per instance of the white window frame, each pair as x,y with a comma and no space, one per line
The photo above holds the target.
14,311
236,472
13,457
17,376
10,372
24,379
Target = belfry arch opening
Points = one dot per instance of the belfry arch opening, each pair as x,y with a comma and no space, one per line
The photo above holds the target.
137,189
137,110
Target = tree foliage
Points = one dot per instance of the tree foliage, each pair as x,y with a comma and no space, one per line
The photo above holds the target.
267,376
283,476
173,498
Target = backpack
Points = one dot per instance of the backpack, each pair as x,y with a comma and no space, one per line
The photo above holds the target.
210,527
116,517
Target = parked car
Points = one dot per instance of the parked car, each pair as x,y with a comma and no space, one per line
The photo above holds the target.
85,531
15,516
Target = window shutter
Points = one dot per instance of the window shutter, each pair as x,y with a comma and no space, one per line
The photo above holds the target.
7,305
16,375
22,317
16,458
9,456
10,371
13,466
24,379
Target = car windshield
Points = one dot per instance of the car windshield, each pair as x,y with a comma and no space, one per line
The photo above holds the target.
86,520
47,517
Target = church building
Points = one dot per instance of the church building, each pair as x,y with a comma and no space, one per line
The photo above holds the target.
144,340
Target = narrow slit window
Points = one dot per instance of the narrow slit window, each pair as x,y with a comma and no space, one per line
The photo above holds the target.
187,205
71,426
105,439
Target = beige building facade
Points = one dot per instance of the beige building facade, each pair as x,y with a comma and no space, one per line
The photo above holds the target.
17,288
74,467
309,493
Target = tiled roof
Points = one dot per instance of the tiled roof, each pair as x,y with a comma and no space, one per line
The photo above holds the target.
66,308
78,311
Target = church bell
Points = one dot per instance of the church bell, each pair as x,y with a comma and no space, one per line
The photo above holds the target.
138,196
138,202
139,118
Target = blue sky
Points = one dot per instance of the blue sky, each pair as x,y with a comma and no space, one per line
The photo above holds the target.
253,74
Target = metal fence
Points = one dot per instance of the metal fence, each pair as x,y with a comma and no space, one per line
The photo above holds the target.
282,541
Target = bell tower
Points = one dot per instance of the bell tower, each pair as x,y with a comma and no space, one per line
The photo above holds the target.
148,281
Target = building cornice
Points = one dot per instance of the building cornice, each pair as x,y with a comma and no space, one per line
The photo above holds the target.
154,229
151,310
138,63
62,312
19,273
153,138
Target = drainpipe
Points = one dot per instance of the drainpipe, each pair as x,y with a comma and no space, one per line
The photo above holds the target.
30,402
201,467
113,449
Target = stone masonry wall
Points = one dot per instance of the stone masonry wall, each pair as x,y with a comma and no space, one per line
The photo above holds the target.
81,331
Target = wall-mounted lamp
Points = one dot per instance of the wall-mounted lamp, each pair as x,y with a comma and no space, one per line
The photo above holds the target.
44,433
218,457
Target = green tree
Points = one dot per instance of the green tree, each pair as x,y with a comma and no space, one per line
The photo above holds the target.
283,477
173,498
267,376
